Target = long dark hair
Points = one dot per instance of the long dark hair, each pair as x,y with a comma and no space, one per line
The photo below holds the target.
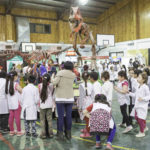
85,76
123,74
45,82
101,98
10,80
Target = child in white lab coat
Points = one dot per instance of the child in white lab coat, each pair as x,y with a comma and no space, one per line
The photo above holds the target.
86,98
140,109
107,87
47,105
4,111
122,94
29,101
112,74
97,88
13,91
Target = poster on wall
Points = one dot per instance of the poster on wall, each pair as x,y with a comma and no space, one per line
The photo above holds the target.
17,60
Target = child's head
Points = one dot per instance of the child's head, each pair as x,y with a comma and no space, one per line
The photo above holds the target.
2,74
31,79
112,68
45,82
93,76
85,76
101,98
68,65
131,72
122,75
12,76
105,76
137,72
147,71
142,78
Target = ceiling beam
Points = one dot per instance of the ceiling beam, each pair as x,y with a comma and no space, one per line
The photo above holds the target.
37,5
110,1
93,9
49,2
11,4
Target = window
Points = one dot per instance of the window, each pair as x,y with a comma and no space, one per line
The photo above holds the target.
40,28
116,54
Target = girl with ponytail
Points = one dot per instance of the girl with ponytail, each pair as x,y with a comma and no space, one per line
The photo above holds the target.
47,105
13,91
86,97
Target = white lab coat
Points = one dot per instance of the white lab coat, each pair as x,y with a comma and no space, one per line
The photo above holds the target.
29,101
141,107
49,102
100,69
135,85
122,98
3,98
112,75
107,89
84,101
97,88
14,100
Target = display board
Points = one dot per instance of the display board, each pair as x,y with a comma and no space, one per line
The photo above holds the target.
17,60
105,40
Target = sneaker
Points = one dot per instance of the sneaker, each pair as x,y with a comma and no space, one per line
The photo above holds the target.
6,130
34,135
42,136
146,129
98,146
20,133
109,147
28,134
122,125
127,129
83,130
140,134
85,135
12,133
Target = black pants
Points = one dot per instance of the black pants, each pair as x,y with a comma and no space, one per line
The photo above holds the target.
130,110
123,109
4,121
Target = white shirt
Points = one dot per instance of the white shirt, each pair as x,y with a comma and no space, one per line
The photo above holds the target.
107,90
3,97
97,88
25,70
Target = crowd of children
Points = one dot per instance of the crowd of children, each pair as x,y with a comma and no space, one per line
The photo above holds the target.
94,102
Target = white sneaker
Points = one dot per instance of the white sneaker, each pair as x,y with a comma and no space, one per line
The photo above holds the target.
146,129
122,125
140,134
127,129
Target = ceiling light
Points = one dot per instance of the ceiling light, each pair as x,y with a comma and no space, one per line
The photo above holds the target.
83,2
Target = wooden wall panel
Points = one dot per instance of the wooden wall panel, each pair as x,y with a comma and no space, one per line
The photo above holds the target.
45,38
2,28
119,22
34,13
144,18
2,9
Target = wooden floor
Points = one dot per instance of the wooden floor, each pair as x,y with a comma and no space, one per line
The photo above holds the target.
121,141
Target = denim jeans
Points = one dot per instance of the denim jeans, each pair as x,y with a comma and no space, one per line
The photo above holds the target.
61,108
